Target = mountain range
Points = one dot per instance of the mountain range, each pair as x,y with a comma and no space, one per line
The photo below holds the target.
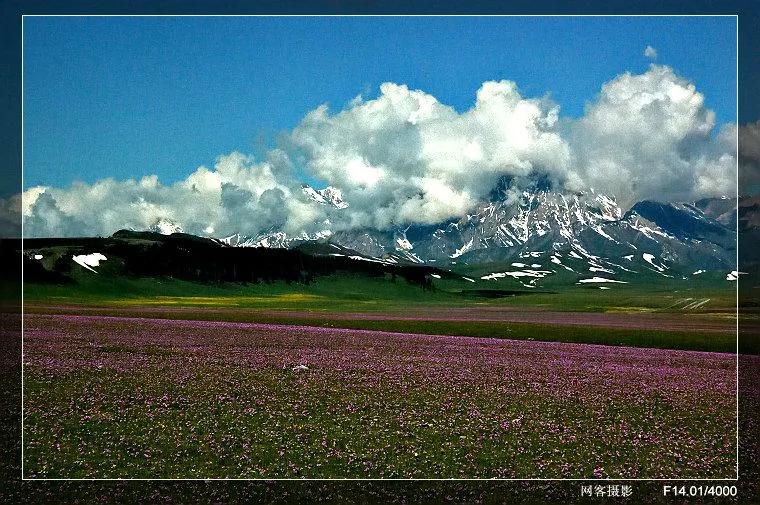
539,239
544,232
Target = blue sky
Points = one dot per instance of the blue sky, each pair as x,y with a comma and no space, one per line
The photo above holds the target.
125,97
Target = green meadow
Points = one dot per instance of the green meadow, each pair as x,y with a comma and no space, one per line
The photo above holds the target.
401,307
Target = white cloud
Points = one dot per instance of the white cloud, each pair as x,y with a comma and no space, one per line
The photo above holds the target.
649,136
405,157
749,158
650,52
236,194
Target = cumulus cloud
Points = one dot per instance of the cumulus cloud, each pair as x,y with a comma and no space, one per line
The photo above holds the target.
404,157
749,158
650,52
10,216
649,136
237,194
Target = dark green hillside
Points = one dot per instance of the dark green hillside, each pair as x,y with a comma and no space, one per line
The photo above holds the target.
195,259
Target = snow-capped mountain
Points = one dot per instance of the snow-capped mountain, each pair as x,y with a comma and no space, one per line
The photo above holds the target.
274,239
165,226
543,233
546,232
327,196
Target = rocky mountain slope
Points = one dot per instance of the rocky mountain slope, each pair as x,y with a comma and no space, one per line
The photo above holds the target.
581,233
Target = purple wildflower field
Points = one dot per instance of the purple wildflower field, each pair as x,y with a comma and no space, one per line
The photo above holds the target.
133,397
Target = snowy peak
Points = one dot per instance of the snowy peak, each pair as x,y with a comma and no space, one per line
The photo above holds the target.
541,216
681,220
165,226
551,234
334,197
401,242
327,196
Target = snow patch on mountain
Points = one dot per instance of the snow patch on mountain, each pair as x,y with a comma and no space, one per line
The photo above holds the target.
165,226
328,196
734,275
649,258
463,249
89,261
531,275
599,279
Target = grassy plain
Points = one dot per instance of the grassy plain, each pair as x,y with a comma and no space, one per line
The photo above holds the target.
123,397
350,377
378,304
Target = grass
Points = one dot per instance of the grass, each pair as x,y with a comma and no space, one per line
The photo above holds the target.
311,430
344,292
226,402
184,416
115,399
171,298
336,292
684,340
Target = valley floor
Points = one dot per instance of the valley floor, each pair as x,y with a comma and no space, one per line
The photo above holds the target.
700,331
117,396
